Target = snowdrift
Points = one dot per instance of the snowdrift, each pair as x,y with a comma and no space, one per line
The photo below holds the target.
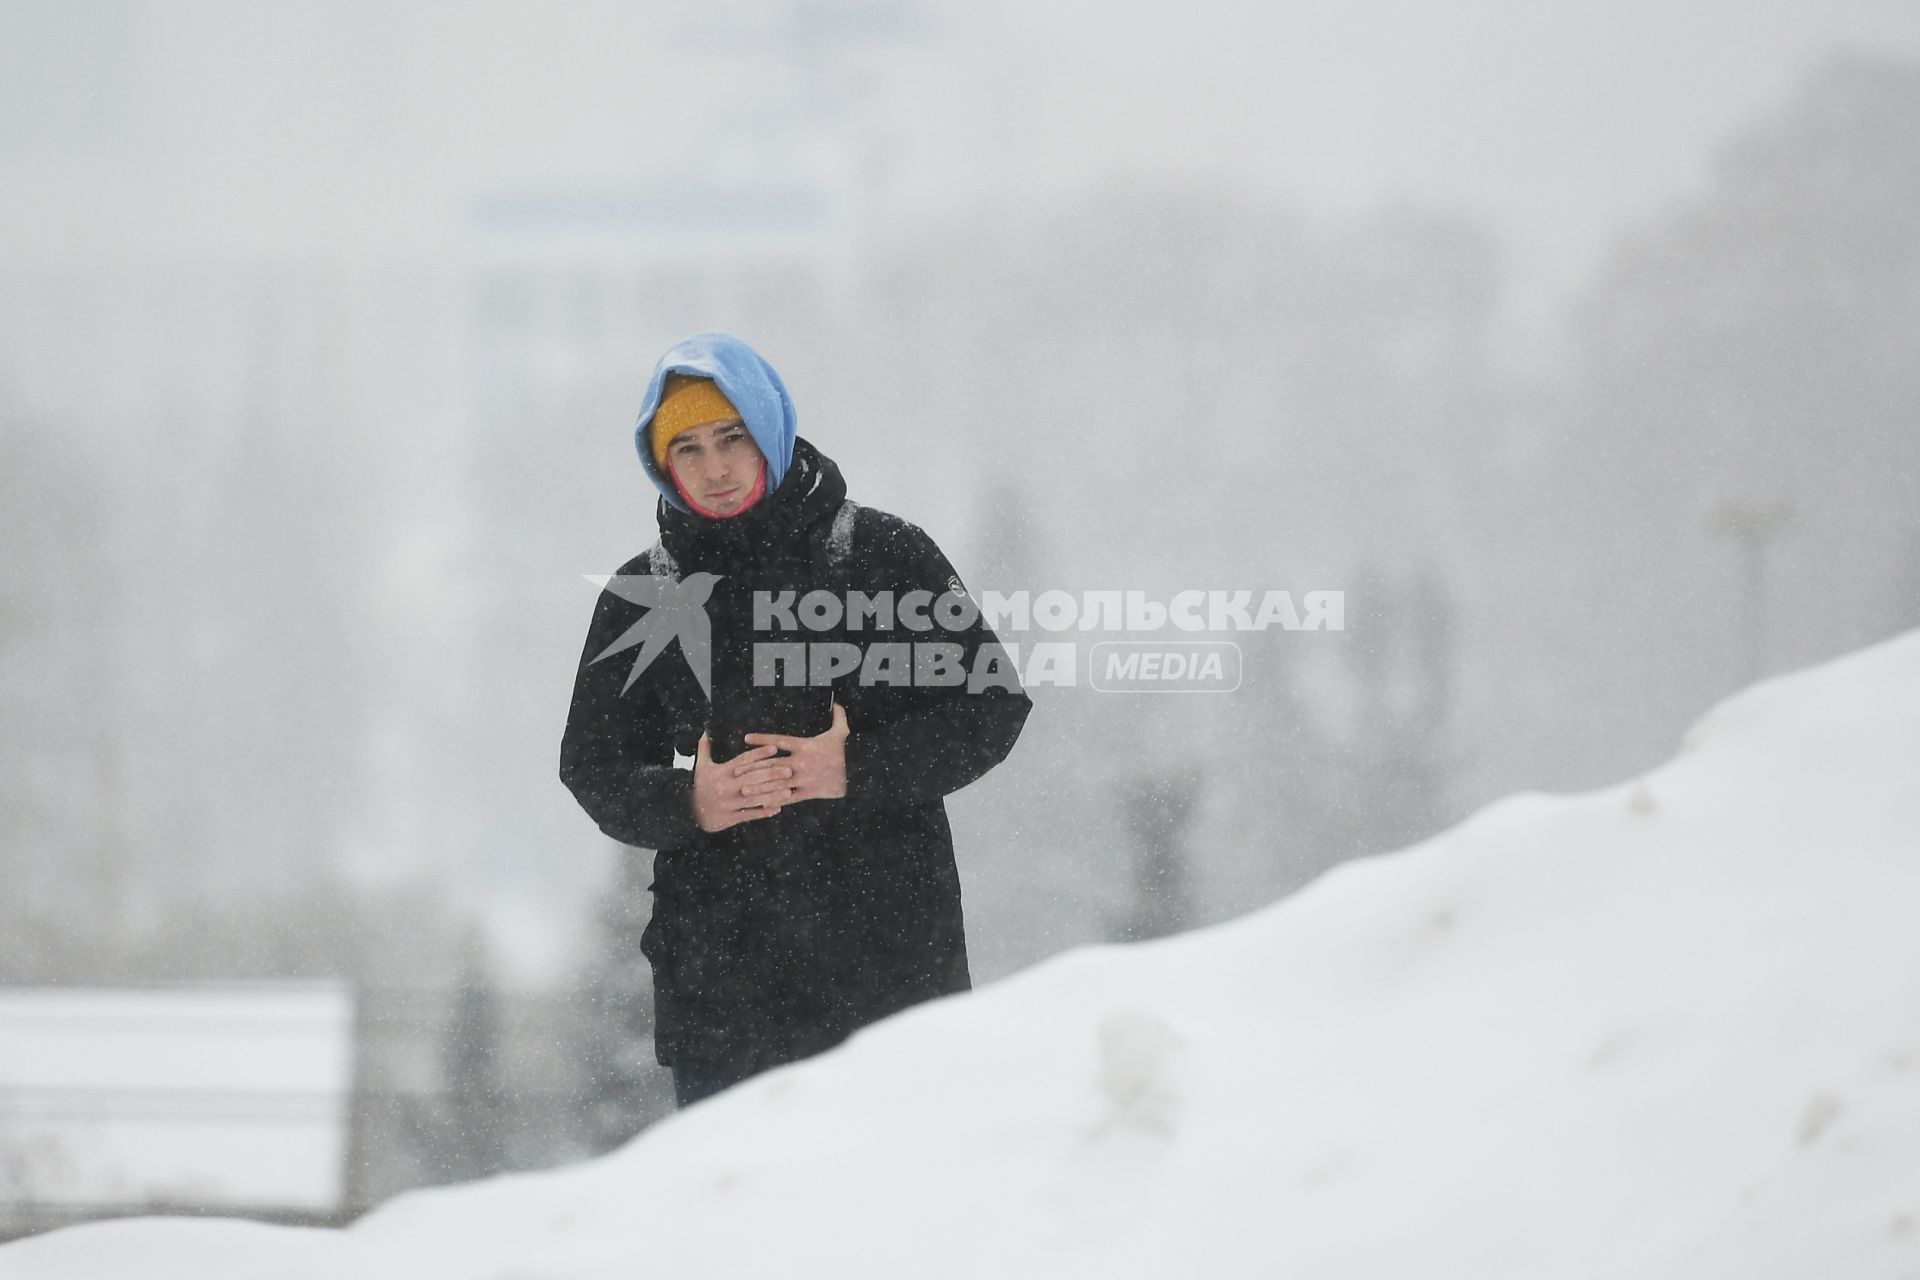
1671,1028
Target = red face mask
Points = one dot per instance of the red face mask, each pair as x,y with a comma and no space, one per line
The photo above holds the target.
754,495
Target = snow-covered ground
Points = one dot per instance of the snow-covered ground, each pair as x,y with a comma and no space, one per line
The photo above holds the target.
1668,1029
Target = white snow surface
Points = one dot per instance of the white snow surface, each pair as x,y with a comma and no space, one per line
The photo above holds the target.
1666,1029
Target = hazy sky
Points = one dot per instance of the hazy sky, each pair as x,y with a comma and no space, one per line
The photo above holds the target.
164,126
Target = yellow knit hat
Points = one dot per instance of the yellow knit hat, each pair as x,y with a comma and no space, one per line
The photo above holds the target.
690,401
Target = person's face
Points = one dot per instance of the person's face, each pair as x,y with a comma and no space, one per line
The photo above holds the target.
717,464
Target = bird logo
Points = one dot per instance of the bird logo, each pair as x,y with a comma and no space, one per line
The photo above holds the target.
676,610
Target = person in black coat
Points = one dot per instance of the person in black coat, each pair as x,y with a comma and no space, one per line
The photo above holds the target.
804,878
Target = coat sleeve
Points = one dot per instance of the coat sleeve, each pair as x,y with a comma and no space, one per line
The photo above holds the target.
910,745
616,755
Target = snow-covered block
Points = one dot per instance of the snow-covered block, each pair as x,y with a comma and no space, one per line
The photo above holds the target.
195,1097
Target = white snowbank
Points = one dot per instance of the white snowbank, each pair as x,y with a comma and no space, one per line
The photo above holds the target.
1667,1029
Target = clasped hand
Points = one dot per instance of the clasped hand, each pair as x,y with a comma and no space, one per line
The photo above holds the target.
759,782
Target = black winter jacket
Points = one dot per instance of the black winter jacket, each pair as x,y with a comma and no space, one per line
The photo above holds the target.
776,938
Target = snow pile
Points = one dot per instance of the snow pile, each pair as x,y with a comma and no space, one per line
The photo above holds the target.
1667,1029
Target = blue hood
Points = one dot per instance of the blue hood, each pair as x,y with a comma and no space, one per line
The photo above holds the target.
748,381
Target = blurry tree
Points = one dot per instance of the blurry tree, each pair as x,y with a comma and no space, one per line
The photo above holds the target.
63,855
1401,654
473,1091
1021,836
1156,806
1754,348
1904,607
623,1086
1281,763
